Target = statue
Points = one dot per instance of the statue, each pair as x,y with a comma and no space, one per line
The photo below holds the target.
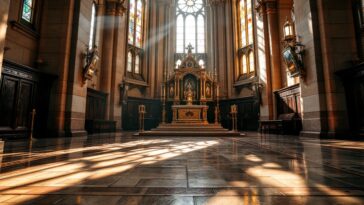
208,91
189,93
171,91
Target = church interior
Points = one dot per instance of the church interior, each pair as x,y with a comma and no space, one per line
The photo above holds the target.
182,102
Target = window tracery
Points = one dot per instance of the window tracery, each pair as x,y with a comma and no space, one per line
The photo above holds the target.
135,36
190,28
246,39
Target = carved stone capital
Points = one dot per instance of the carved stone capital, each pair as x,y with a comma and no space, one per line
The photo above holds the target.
120,8
266,6
271,6
216,2
115,7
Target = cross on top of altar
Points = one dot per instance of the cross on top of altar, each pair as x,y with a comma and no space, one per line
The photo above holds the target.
189,48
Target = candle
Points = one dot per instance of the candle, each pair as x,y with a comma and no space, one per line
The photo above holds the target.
217,91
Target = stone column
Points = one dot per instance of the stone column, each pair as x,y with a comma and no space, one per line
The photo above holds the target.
268,70
151,49
75,107
118,63
160,44
230,54
107,52
274,40
4,11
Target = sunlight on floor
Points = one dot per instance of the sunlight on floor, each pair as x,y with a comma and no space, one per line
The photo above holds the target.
111,161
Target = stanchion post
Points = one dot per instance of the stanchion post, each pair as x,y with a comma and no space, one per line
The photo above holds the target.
141,117
33,113
234,112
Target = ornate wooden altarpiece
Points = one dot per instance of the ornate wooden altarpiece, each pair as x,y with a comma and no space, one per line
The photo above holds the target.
190,87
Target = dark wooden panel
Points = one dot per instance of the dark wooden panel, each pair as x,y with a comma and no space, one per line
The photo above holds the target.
19,95
248,113
131,115
353,79
95,105
25,104
8,99
289,100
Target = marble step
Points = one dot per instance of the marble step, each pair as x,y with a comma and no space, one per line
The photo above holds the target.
190,133
191,129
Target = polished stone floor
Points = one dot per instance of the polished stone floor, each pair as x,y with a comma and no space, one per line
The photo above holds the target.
121,169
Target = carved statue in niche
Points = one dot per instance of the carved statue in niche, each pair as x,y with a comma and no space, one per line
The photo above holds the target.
171,91
189,93
208,90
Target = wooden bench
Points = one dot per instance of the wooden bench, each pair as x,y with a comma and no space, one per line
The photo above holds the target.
289,123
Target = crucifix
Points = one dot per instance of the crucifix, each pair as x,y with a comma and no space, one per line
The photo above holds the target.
189,48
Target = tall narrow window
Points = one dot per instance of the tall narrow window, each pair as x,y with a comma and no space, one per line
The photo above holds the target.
201,34
135,37
190,25
130,62
137,64
246,39
92,27
180,34
28,11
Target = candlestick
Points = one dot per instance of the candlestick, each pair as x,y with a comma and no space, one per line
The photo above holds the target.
217,90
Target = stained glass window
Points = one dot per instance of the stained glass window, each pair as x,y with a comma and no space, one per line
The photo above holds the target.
200,34
243,22
244,65
137,64
135,35
246,45
92,27
130,62
131,22
190,27
180,34
28,11
251,62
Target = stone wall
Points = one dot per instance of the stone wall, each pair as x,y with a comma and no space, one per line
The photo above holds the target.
4,11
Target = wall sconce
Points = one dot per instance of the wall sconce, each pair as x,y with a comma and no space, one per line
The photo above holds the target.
293,51
91,59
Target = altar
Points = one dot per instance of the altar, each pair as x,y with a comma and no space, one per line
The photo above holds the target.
189,88
190,114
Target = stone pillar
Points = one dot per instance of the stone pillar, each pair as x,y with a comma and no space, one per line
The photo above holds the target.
118,64
329,40
4,11
151,49
161,56
107,52
312,87
230,54
268,70
75,108
274,40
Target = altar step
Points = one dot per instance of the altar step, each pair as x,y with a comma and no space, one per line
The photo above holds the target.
208,130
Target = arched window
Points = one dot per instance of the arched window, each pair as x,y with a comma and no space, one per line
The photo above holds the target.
92,36
130,62
135,36
137,64
246,38
28,11
190,27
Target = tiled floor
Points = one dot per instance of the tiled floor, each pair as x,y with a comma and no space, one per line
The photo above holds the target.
120,169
